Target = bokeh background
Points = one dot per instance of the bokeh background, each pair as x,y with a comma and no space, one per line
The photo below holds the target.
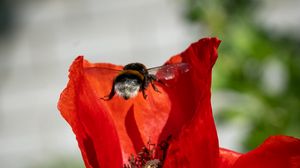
256,79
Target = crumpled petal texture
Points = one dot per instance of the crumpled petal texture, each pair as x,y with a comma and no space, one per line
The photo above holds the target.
196,144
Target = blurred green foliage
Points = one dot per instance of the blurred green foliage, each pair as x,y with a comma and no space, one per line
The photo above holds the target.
253,62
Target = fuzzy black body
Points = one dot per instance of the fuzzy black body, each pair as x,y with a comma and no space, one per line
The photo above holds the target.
132,79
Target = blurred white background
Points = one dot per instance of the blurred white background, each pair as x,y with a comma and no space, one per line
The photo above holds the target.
39,41
44,38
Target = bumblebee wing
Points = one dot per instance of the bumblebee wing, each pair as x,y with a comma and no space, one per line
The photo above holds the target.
169,71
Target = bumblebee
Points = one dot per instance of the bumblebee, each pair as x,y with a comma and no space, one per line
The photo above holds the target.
135,78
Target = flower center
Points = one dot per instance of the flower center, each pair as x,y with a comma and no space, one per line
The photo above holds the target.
150,156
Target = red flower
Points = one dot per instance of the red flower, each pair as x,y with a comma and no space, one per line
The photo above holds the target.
109,132
275,152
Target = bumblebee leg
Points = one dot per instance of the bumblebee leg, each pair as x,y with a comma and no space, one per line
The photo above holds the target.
144,85
111,94
154,86
154,78
144,94
161,82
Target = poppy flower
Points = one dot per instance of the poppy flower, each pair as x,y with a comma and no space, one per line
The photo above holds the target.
170,128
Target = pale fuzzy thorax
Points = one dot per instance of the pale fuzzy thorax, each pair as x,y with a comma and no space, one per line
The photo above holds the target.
128,88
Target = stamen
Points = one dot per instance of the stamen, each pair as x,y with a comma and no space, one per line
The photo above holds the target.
153,164
150,156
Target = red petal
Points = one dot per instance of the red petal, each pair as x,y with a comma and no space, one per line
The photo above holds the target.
227,158
98,141
136,120
275,152
196,145
116,128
